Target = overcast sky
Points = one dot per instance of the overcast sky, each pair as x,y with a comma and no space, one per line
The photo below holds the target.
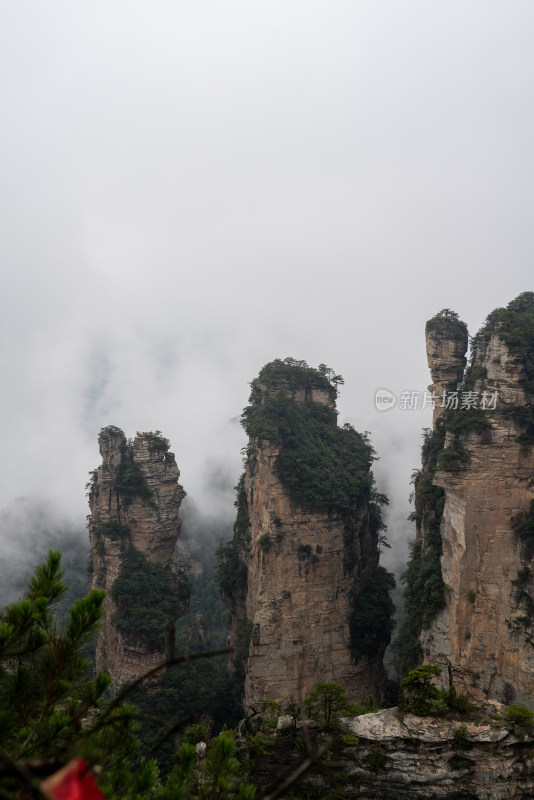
191,189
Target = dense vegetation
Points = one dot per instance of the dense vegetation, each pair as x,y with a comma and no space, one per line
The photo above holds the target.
515,326
148,600
424,594
420,696
295,374
371,622
448,323
203,689
231,569
113,529
132,482
156,440
523,524
51,712
323,466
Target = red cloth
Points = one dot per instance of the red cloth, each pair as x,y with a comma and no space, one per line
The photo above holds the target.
72,782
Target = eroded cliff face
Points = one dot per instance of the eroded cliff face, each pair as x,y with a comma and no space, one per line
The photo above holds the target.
484,635
446,346
299,571
299,589
134,500
392,756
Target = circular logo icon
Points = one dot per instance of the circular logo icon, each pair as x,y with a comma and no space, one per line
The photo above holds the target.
384,400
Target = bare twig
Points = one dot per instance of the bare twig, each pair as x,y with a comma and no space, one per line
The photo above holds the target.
131,687
298,773
166,736
21,770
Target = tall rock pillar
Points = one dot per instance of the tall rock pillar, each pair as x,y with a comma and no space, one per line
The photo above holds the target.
134,498
305,550
483,635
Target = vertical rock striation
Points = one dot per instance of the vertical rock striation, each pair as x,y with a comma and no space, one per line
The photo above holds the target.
134,498
477,487
446,346
304,558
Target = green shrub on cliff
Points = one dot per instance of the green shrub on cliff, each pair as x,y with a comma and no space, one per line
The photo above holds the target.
420,696
519,715
321,465
296,374
523,524
50,711
515,326
327,702
371,622
448,322
133,483
146,600
424,594
156,440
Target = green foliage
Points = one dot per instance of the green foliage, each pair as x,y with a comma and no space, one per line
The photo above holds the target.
322,466
466,420
196,733
458,702
295,374
242,523
453,457
519,715
264,542
420,696
366,706
523,524
258,744
327,702
515,326
156,440
371,622
523,576
424,595
188,692
112,529
418,691
524,417
351,740
148,601
51,710
44,690
205,606
471,596
111,430
217,775
460,734
41,669
447,321
132,482
377,759
231,570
